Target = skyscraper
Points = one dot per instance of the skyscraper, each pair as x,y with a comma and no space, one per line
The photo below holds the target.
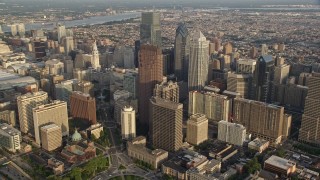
55,112
167,90
21,29
51,137
197,129
63,90
13,29
231,133
68,45
214,106
166,124
198,62
150,74
181,53
95,63
150,29
263,120
264,50
83,107
26,103
240,83
128,123
227,48
309,131
61,32
262,78
281,74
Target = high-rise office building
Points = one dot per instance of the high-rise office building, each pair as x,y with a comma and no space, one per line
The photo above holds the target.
227,48
231,133
95,63
198,62
309,131
167,90
26,103
264,50
39,48
246,66
181,53
13,30
85,87
262,80
281,74
63,90
197,129
128,123
168,61
214,106
263,120
130,83
21,29
150,29
290,95
83,107
166,124
55,66
240,83
150,74
55,112
10,137
61,32
253,52
51,137
68,45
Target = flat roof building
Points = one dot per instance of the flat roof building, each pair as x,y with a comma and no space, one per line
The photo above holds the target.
280,165
10,137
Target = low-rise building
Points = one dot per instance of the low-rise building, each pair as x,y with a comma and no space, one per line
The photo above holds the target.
137,150
178,166
95,130
258,144
10,137
223,152
56,165
79,152
8,117
280,165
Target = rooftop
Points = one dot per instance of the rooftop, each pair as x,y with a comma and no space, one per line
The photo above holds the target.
9,130
280,162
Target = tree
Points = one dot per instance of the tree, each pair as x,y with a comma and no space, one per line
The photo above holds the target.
76,173
281,152
252,166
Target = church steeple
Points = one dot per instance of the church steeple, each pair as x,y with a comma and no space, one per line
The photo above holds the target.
95,56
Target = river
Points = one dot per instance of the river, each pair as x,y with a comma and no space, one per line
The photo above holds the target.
89,21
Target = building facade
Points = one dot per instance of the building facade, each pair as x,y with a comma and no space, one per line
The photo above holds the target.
197,129
150,74
128,123
181,53
166,124
10,137
214,106
150,28
167,90
198,62
51,137
309,131
55,112
137,150
231,133
26,103
263,120
83,107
